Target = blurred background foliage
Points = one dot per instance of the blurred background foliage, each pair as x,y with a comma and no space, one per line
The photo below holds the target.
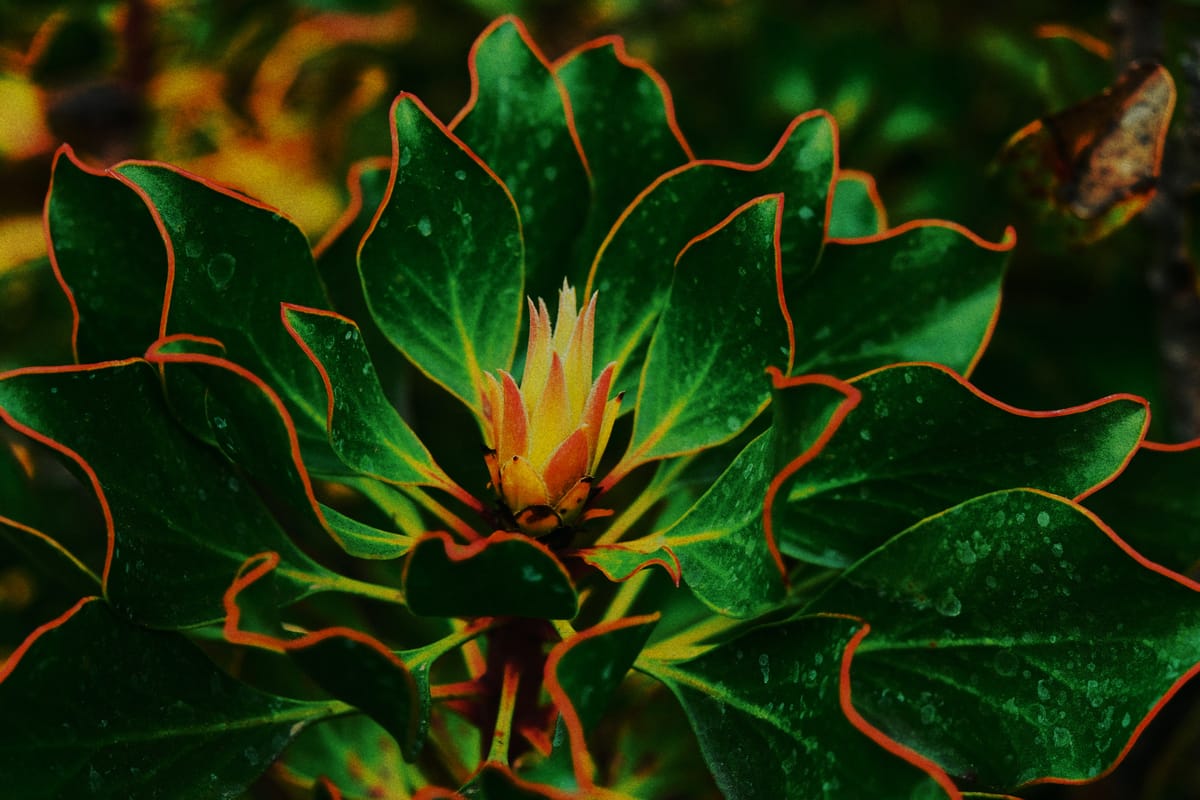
278,98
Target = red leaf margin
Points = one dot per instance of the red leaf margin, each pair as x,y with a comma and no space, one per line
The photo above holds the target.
523,32
851,398
1029,414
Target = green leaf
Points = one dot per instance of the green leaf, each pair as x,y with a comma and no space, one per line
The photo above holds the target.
50,556
337,253
583,673
252,427
634,267
769,710
721,545
357,755
1153,505
1016,638
585,670
612,95
921,440
620,562
352,666
925,291
723,324
518,122
357,670
180,518
442,265
857,211
367,433
110,256
506,574
99,708
234,262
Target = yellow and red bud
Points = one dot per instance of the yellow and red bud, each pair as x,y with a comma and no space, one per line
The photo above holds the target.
547,436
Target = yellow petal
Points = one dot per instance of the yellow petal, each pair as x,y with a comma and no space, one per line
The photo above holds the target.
551,422
520,484
537,354
564,324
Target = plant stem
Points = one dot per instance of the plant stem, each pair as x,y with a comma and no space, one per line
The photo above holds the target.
502,734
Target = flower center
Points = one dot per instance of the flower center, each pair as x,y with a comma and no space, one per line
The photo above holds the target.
546,437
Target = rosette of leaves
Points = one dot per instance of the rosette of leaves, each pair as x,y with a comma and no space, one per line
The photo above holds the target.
811,542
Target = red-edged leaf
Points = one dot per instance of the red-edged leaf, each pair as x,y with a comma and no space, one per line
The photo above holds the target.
506,574
179,517
620,562
772,710
97,707
519,121
442,264
583,672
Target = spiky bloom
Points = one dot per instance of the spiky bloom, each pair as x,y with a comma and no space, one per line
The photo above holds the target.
547,436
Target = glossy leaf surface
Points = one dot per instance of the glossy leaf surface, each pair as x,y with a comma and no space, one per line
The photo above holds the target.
519,123
366,431
179,511
997,648
856,211
1153,505
150,716
768,711
234,261
922,440
442,265
921,292
110,255
721,544
722,326
611,95
251,426
634,268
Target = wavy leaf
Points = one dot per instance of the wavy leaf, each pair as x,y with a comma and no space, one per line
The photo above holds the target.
921,440
519,122
925,291
770,710
149,716
997,648
442,264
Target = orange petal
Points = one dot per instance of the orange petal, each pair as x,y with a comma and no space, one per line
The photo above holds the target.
493,466
520,485
514,427
492,405
566,466
538,520
576,497
593,414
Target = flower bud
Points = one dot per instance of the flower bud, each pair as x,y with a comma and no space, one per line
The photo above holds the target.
546,437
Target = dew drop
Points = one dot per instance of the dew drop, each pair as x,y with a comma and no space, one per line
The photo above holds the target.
424,226
405,156
220,269
764,664
460,174
1043,518
948,605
